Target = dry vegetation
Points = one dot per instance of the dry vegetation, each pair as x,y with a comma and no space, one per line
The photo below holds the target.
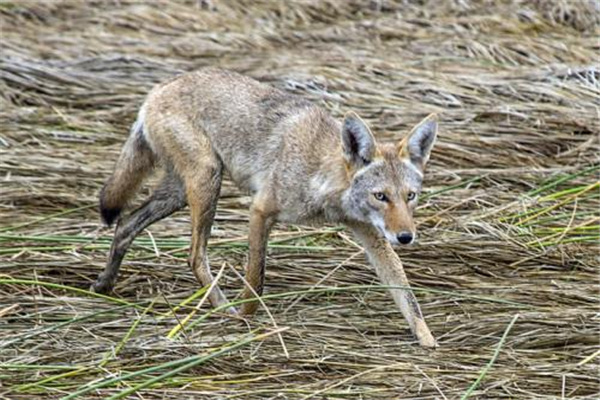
509,226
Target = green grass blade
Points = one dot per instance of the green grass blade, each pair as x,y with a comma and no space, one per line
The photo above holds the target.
179,365
70,289
485,370
563,179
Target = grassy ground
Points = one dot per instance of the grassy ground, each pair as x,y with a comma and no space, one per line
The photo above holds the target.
508,230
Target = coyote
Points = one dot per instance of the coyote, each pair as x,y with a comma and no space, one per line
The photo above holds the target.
299,164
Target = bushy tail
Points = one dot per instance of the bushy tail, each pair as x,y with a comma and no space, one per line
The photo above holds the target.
135,163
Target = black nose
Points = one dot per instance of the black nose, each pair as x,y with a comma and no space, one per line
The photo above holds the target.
405,237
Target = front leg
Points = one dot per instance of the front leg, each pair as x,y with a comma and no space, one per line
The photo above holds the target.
390,271
261,221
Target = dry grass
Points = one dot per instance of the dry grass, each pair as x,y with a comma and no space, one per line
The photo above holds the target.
509,227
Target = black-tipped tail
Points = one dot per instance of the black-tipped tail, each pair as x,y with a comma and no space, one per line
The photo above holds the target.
135,163
109,215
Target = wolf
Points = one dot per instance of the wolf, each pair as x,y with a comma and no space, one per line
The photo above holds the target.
299,164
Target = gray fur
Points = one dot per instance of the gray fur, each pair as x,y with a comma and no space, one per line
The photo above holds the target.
166,199
357,141
300,165
420,142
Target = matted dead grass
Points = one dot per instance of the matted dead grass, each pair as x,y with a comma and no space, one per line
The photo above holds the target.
508,229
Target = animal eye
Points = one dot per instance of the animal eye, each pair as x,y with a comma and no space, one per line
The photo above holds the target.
411,196
380,196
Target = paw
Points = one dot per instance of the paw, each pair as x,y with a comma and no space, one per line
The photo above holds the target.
248,309
428,341
232,311
101,286
424,335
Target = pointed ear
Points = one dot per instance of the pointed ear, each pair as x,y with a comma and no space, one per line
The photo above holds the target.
419,142
358,142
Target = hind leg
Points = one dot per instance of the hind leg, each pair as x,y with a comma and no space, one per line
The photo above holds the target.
202,189
262,219
168,197
183,142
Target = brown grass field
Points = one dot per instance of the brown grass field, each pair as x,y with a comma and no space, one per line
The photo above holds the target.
506,268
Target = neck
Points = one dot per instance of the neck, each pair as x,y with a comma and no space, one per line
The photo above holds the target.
329,184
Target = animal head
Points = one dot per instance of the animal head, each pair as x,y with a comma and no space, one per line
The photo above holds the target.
385,179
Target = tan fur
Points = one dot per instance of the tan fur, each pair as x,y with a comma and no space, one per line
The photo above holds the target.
288,153
398,219
390,271
130,174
